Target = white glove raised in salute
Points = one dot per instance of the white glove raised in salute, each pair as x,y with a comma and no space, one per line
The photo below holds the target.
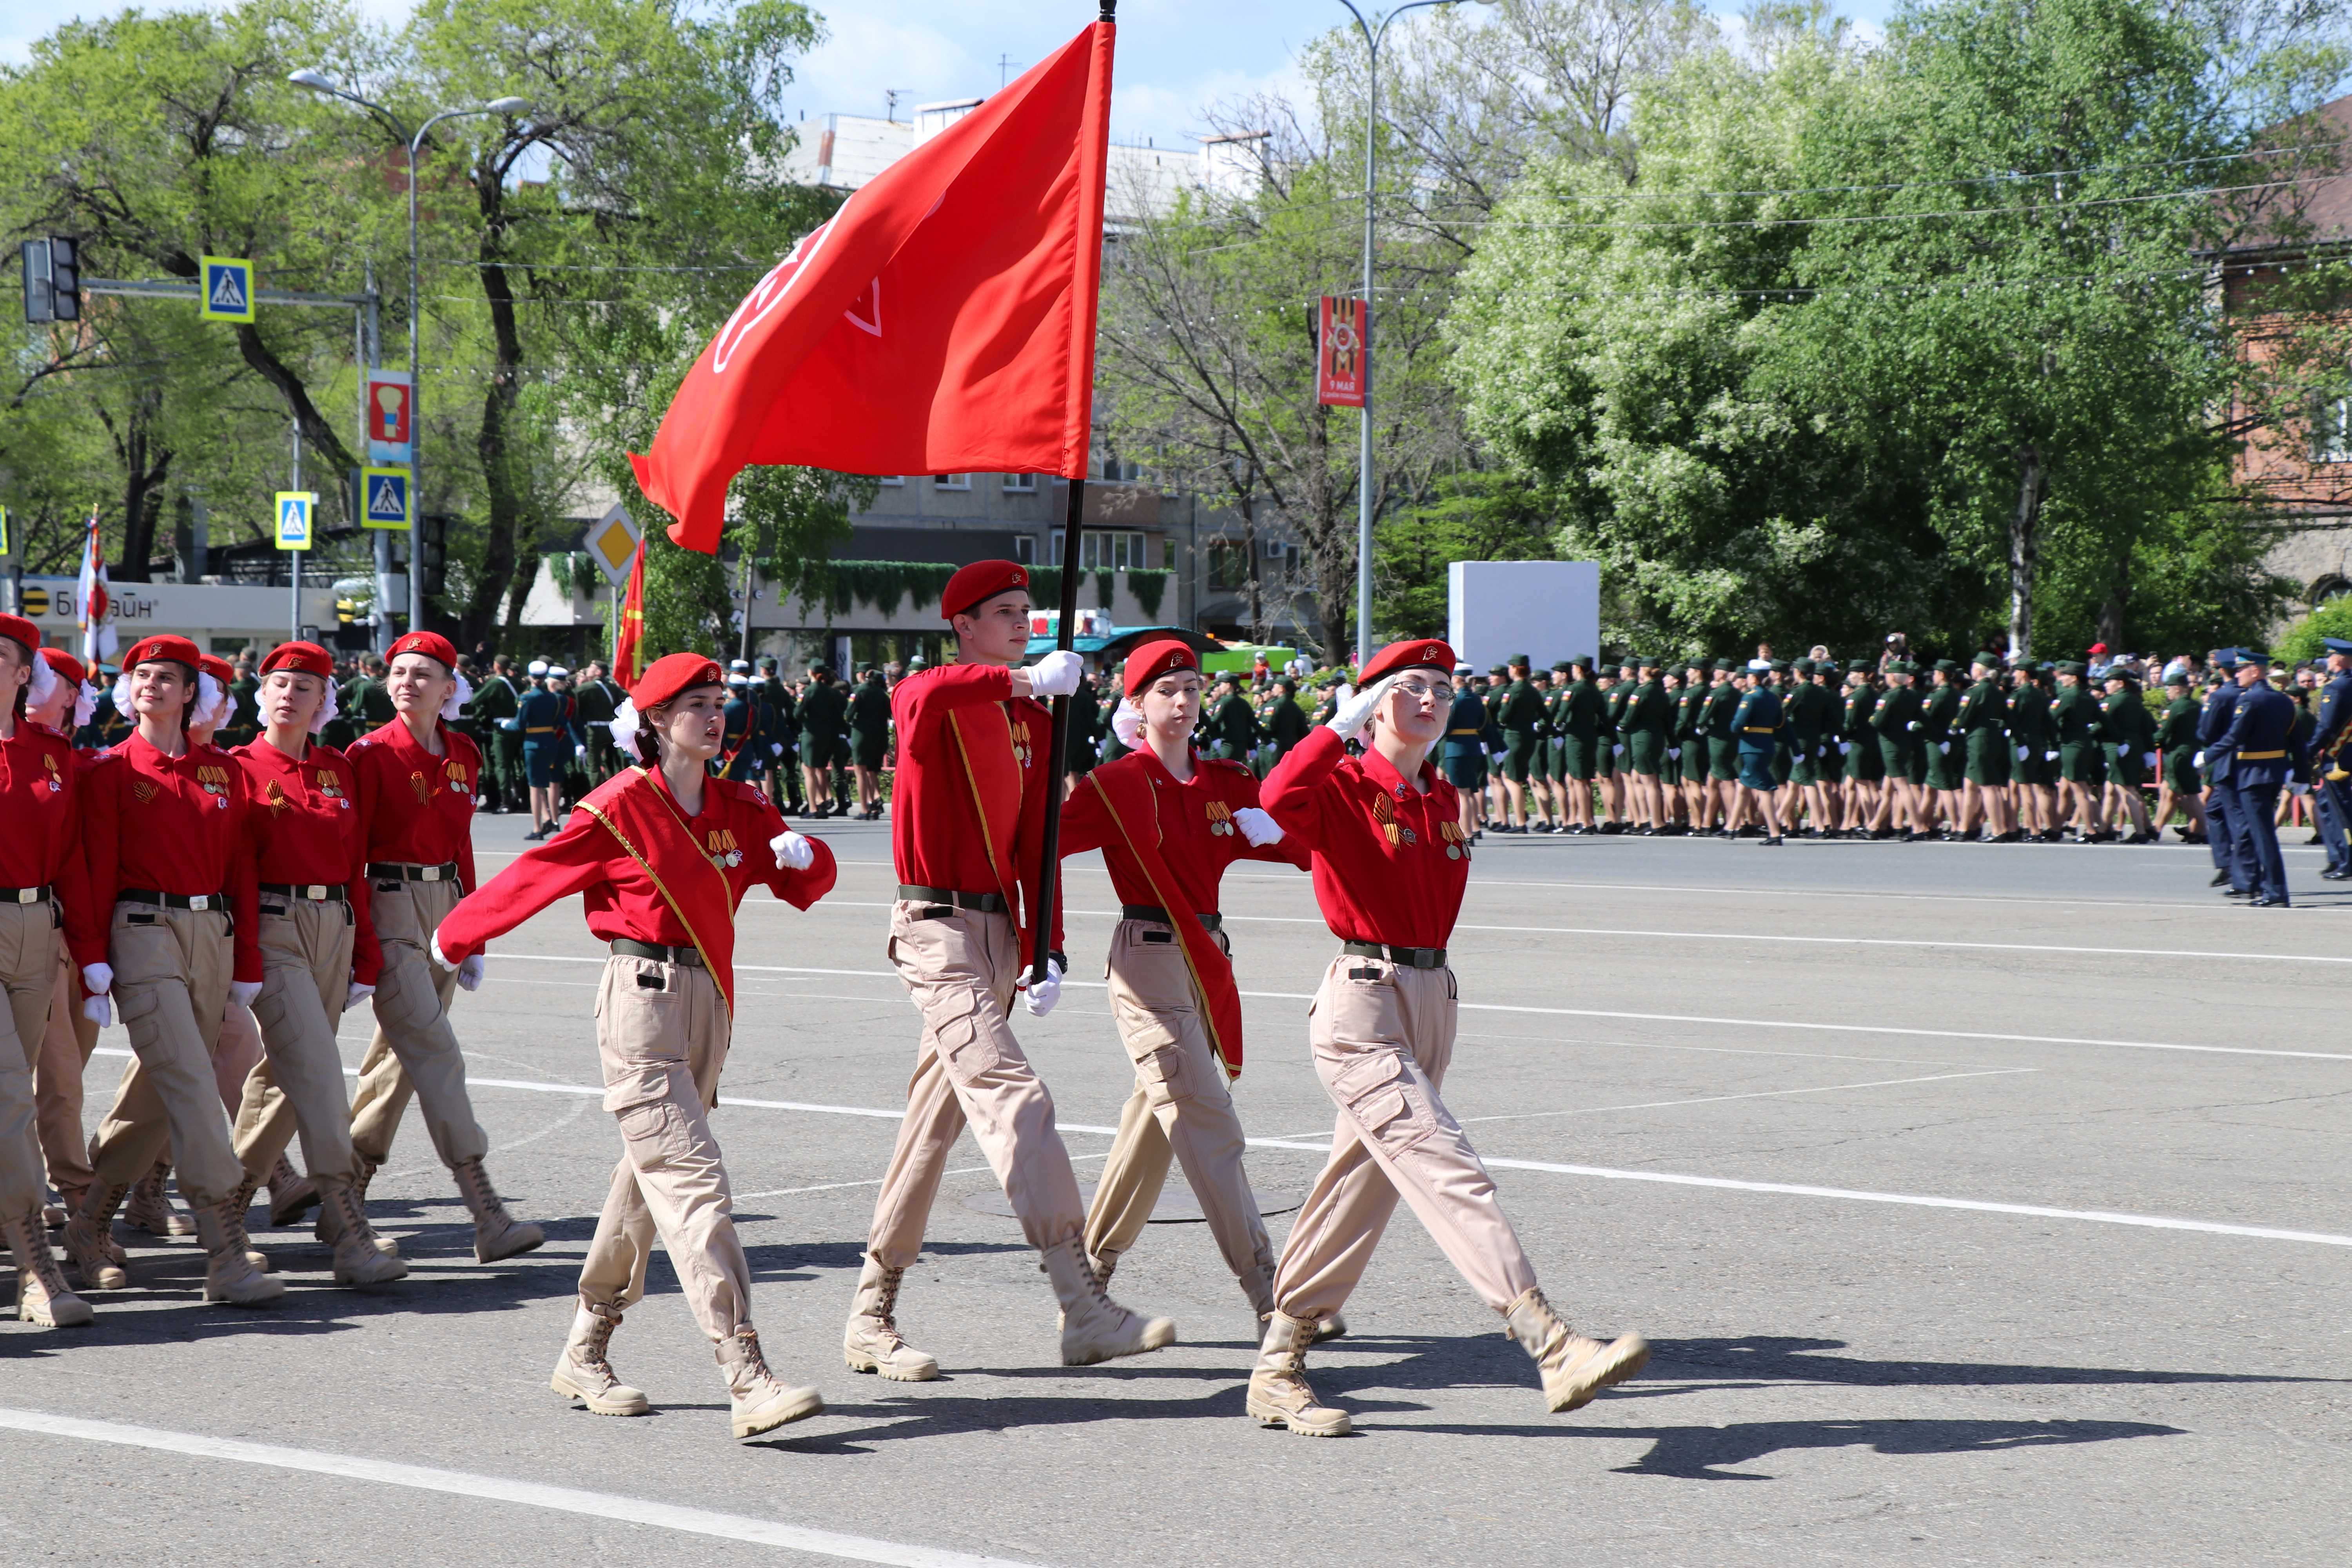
793,851
1056,674
1257,827
1355,712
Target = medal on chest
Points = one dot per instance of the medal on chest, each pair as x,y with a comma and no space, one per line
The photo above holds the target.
460,783
1220,819
50,762
1457,843
724,849
1398,835
214,782
1020,750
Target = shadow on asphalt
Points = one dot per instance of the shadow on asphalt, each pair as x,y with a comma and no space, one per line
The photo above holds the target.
1703,1453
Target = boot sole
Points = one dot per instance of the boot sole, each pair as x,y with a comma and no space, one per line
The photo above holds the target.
857,1361
1611,1373
351,1281
536,1238
810,1403
1153,1339
50,1317
1273,1416
223,1299
595,1404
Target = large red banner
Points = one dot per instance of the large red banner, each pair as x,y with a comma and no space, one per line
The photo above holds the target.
1343,333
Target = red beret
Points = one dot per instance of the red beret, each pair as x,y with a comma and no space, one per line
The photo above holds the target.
16,629
672,673
979,582
432,644
308,657
68,666
219,669
148,650
1154,659
1422,652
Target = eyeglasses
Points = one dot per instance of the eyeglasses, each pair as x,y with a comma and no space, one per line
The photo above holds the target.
1420,691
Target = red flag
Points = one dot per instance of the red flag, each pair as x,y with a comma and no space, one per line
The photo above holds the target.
627,642
943,321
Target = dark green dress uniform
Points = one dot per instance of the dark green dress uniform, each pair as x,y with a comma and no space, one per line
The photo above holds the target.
2130,731
869,722
1944,751
2175,741
1801,716
1463,757
1085,728
1690,735
1983,722
494,708
1784,747
1647,726
1231,730
1715,714
593,704
108,727
1576,721
1112,750
1864,761
821,712
243,715
1893,718
1617,758
2076,714
1521,712
1285,723
2030,732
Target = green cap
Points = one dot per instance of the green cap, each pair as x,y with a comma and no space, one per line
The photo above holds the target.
1902,667
1803,667
1948,666
1858,667
2071,667
1559,666
1522,660
1779,665
1725,663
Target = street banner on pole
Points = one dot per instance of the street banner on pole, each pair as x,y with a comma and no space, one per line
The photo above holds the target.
943,321
390,408
92,606
294,509
1340,334
613,540
227,289
390,498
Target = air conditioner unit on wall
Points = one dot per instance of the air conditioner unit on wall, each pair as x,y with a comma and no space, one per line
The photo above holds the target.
1277,550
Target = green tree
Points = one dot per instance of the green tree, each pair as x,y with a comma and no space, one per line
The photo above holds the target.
1471,516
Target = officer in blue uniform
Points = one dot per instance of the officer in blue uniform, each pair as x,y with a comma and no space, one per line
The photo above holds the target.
2260,754
549,738
741,756
1464,755
2331,803
2220,797
1756,722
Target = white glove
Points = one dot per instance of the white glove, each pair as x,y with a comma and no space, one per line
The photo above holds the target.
2049,756
357,995
793,852
1353,714
242,992
1913,726
2199,759
469,973
2024,753
1616,750
1127,723
2123,747
1845,747
579,751
1258,827
1056,674
775,749
1672,753
98,979
98,1010
1945,747
2147,758
439,956
1043,994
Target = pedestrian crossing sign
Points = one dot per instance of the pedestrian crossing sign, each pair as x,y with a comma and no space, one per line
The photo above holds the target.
294,509
228,288
389,497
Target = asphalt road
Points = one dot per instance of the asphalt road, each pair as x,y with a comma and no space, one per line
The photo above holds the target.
1984,1203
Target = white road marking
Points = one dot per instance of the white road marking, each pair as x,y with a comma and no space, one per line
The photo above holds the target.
1752,1094
1073,984
502,1488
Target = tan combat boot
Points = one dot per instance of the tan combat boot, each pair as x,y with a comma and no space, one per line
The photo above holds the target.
584,1372
88,1239
290,1195
41,1294
1574,1368
359,1263
240,1203
761,1401
1094,1327
871,1343
150,1208
229,1273
1278,1393
328,1228
497,1234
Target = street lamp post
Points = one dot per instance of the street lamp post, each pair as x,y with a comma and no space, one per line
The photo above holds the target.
1373,37
317,81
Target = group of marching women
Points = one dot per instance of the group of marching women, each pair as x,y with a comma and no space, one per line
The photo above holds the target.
295,881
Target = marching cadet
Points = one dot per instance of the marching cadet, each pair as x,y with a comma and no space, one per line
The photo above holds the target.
2031,731
1895,721
784,744
549,738
414,803
664,854
869,740
1944,749
169,858
2330,725
245,710
1721,742
1576,724
1647,724
1389,864
594,701
318,952
822,710
1169,822
1689,741
964,831
1231,729
2259,755
1803,717
1616,764
2076,716
1758,722
2130,731
739,755
1519,711
2221,795
41,858
1464,755
2178,788
497,706
66,707
1286,722
1981,722
1865,763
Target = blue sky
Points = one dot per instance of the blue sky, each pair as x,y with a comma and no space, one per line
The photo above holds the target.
1174,55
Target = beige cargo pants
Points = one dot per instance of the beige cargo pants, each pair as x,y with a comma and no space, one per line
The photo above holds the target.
1180,1107
661,1036
66,1044
960,967
172,973
306,956
1383,1035
413,1044
29,940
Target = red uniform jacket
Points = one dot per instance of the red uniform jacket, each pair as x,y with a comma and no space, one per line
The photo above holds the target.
650,872
305,828
1390,860
167,824
40,804
968,812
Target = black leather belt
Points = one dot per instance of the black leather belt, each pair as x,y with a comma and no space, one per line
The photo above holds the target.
1211,921
1410,957
173,900
399,871
26,895
986,903
317,892
625,947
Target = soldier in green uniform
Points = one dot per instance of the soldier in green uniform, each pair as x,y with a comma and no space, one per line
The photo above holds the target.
1866,765
493,709
1518,712
1576,731
822,709
1613,768
1944,752
2033,748
1232,728
1086,730
740,756
1689,744
1895,721
244,707
1646,724
784,777
366,704
1980,733
2177,785
1286,722
595,700
869,738
2077,718
2127,732
1802,724
1722,745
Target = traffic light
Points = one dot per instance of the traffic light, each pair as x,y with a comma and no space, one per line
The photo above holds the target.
52,280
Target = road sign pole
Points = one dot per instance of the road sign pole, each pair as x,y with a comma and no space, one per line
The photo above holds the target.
294,558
